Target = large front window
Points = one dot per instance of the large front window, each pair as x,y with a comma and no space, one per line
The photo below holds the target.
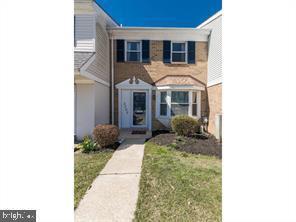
133,51
179,103
179,52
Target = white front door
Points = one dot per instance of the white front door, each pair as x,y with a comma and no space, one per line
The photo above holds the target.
134,112
134,104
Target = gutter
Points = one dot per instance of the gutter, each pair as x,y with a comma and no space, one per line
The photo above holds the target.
112,81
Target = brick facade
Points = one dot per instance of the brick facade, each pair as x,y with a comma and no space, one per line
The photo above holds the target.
156,69
215,105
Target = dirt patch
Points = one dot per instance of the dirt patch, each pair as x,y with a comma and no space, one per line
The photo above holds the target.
199,144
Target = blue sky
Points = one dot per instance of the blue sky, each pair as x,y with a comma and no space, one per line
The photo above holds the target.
160,13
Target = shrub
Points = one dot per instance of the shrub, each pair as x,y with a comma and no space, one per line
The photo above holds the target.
184,125
88,145
106,135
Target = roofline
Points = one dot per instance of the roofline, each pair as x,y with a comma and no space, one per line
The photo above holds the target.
150,28
210,19
106,13
158,33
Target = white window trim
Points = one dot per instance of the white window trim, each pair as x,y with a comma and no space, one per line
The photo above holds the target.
186,52
125,50
169,103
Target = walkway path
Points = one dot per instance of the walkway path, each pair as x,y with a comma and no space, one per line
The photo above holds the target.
113,195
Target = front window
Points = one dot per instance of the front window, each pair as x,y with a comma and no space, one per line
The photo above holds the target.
179,52
179,103
194,103
163,104
133,51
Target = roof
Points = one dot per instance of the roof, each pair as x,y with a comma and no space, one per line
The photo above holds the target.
179,80
80,58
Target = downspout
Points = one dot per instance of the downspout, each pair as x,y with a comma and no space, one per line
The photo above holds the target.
112,82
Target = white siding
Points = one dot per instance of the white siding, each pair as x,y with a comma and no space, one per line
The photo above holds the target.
84,110
85,33
83,7
100,67
102,104
215,51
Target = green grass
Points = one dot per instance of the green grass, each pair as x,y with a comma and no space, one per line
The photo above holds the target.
86,168
178,186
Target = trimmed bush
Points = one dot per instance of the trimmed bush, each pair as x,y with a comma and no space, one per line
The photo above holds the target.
184,125
106,135
88,145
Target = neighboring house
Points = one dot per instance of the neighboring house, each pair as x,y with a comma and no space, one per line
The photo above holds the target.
214,84
139,78
91,66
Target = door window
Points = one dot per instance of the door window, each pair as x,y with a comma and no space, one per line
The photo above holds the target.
139,108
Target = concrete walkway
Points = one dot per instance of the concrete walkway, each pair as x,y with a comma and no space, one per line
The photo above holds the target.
113,195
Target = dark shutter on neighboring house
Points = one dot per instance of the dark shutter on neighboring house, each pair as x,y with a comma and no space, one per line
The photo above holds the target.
166,51
145,51
191,52
120,50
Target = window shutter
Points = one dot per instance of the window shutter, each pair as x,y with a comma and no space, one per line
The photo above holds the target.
145,51
166,51
120,50
191,52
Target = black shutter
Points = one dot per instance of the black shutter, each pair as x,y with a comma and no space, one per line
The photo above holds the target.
120,50
191,52
166,51
145,51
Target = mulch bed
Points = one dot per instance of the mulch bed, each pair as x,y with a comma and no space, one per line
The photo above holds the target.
198,144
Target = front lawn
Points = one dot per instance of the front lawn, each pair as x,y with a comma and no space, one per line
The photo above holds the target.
86,168
179,186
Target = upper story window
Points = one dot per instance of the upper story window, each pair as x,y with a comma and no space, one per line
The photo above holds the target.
179,52
133,51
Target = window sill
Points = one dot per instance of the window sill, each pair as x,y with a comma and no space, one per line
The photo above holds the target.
182,63
136,62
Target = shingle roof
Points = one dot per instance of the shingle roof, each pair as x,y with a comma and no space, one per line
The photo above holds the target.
178,80
80,58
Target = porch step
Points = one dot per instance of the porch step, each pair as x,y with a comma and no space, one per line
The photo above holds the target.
127,134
